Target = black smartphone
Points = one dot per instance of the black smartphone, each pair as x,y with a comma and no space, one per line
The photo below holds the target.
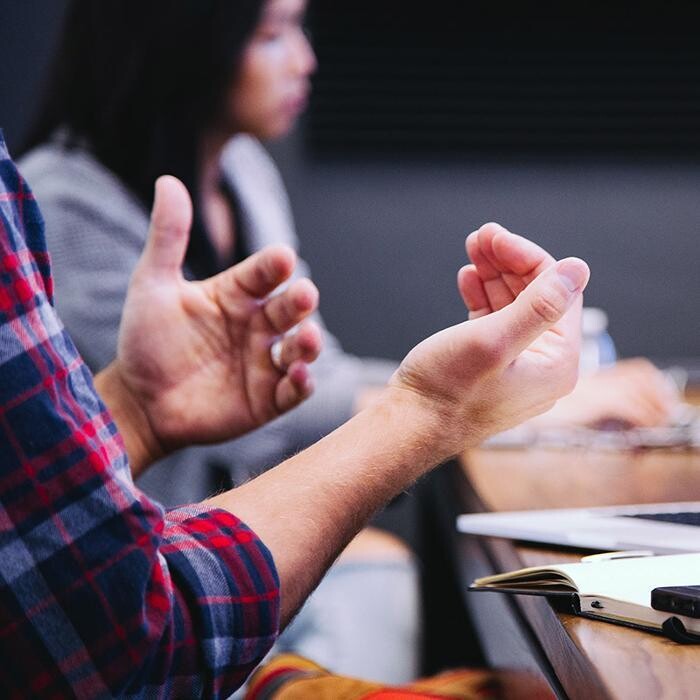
681,600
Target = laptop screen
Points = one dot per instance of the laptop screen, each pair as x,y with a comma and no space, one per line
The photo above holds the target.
677,518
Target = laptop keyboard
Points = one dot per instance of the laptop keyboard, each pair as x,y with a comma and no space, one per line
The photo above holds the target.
692,518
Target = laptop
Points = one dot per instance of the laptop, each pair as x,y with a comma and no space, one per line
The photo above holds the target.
662,528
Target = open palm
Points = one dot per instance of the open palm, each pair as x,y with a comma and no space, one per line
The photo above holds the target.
197,354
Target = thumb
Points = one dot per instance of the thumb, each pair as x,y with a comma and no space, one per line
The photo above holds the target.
541,306
171,220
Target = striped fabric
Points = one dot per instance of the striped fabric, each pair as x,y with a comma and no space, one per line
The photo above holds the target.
291,677
102,594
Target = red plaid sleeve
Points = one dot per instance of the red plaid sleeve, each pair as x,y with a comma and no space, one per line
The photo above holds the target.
102,594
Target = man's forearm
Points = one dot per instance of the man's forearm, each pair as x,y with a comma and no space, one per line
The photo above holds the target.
307,509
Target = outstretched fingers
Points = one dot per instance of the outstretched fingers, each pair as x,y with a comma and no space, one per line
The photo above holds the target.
303,345
297,350
294,387
290,357
291,354
293,305
258,275
171,220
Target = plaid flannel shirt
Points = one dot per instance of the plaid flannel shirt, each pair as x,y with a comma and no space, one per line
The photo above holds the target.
102,594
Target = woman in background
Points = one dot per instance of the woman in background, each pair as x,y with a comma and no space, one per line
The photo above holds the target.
186,87
190,87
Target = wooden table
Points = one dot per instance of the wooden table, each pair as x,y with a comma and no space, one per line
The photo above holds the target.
565,655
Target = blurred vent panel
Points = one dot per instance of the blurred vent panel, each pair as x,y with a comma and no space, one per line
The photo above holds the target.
504,77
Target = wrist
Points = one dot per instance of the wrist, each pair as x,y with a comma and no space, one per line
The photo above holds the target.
429,426
455,422
140,441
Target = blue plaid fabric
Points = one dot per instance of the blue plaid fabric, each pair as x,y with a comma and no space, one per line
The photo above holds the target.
102,593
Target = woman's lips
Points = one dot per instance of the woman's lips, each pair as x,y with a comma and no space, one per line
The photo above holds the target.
297,103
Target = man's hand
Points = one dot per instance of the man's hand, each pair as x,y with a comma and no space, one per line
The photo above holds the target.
193,362
633,392
516,355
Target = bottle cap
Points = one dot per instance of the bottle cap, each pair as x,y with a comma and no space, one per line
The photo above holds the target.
594,321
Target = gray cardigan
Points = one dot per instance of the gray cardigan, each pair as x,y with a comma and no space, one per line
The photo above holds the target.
96,229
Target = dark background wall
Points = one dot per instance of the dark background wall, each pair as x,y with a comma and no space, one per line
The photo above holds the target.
386,240
383,227
28,31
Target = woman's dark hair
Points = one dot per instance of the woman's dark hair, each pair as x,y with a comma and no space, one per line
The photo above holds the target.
141,80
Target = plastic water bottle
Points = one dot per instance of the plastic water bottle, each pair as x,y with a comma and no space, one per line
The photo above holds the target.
597,347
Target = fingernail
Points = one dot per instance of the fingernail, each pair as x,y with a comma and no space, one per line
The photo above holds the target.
573,273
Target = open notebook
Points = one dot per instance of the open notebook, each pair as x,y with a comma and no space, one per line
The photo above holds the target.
615,590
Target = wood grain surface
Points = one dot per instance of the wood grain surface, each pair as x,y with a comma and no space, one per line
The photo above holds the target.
591,659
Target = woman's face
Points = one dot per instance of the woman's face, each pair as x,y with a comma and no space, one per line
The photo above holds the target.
273,84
